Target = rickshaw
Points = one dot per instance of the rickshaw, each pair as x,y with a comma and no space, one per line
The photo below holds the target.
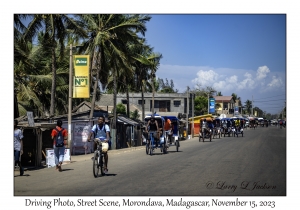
156,140
217,127
252,123
238,129
174,140
266,123
225,128
205,132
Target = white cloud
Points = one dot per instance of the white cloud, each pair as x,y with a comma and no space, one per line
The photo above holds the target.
262,72
276,82
246,83
205,78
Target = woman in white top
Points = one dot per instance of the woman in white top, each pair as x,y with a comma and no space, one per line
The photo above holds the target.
18,146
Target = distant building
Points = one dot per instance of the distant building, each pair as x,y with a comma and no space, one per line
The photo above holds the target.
226,105
175,103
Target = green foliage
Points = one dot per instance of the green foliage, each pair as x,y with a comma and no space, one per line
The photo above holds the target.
121,109
165,87
201,103
134,115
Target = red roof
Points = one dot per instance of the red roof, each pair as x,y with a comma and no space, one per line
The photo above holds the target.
223,98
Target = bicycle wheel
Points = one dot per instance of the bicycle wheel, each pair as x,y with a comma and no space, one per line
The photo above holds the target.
150,148
96,164
164,146
101,165
177,145
147,148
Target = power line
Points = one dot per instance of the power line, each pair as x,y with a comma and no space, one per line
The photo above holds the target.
271,96
269,100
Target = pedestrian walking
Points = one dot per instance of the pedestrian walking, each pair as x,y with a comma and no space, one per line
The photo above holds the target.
18,147
59,136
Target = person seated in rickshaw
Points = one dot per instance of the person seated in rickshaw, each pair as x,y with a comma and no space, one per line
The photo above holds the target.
237,124
224,124
152,126
242,123
228,123
210,126
204,125
169,129
233,123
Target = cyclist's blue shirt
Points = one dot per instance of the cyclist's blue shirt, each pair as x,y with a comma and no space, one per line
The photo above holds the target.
101,134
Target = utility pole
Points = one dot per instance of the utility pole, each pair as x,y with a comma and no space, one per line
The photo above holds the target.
187,110
193,94
284,112
152,93
70,101
252,106
207,102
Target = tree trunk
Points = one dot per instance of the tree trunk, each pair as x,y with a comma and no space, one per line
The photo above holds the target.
143,105
152,95
128,104
16,107
115,99
98,67
53,87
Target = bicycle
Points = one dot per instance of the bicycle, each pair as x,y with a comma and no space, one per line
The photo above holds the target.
150,145
99,161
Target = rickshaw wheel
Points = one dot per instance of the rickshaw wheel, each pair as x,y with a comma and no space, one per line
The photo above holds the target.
150,148
164,149
177,146
147,148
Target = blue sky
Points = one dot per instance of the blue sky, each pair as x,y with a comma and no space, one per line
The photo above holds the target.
233,53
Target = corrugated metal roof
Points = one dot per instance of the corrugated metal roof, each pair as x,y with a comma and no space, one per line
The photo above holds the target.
127,120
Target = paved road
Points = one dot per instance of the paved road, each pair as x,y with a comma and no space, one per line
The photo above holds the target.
251,165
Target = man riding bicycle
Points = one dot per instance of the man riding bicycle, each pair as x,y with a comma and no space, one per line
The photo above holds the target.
152,126
101,131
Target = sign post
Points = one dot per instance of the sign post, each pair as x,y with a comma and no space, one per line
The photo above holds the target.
211,105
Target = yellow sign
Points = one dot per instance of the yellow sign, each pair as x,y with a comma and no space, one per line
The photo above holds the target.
81,83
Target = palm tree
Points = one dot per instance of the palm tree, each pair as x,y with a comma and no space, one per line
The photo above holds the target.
35,81
236,98
56,26
149,62
219,94
108,34
248,106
